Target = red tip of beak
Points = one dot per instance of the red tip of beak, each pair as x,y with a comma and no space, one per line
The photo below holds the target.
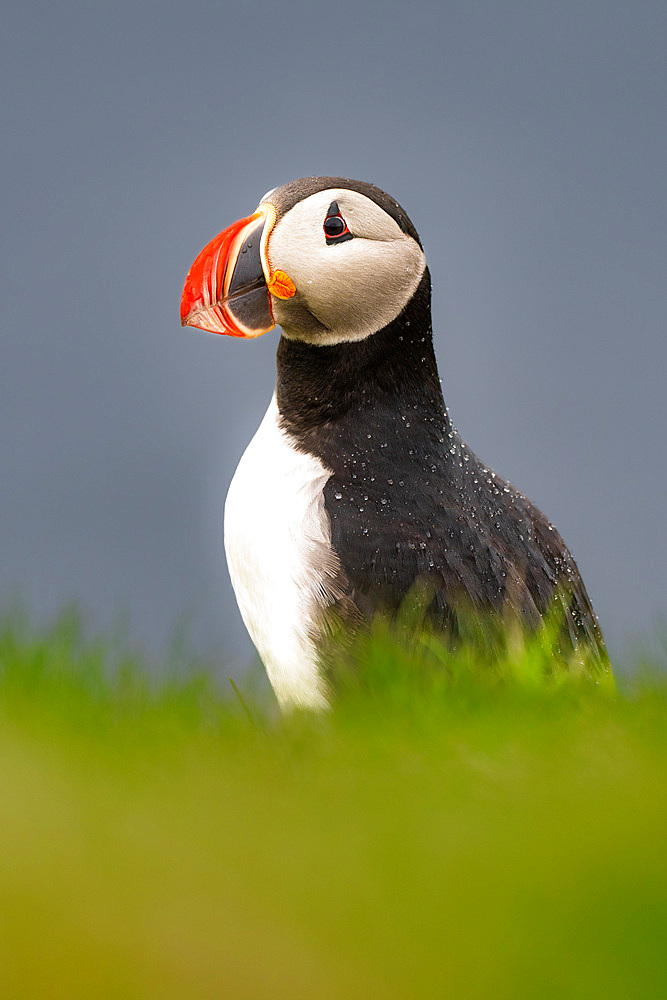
202,299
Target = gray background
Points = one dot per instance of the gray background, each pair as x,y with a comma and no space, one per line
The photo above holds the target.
528,143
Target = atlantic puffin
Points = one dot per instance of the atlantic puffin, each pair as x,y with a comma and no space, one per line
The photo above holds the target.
357,486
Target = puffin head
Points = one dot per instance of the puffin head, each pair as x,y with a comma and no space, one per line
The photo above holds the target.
327,259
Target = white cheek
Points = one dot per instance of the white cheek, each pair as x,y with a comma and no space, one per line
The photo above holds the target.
353,288
345,291
367,282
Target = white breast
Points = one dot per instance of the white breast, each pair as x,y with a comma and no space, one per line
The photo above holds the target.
282,566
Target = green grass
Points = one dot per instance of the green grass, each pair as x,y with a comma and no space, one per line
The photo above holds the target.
447,831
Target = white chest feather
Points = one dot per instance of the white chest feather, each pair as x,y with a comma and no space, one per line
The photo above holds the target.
282,566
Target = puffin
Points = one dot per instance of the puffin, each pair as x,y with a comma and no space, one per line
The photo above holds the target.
357,490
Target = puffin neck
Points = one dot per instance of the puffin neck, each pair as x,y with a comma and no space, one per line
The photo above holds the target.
396,366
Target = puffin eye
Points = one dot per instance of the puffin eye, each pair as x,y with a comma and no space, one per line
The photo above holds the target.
335,226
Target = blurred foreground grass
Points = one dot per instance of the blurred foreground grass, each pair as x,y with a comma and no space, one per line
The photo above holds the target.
449,835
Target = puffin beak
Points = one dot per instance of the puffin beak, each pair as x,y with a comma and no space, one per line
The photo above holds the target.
226,290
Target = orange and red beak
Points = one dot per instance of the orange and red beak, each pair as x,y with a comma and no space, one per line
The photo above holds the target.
226,288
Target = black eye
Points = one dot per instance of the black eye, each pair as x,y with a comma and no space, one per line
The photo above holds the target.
335,226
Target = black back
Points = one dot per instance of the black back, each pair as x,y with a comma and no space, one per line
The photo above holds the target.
409,502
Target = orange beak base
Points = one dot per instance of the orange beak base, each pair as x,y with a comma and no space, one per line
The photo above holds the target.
225,290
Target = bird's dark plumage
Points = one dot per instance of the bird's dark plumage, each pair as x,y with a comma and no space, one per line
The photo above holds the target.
408,501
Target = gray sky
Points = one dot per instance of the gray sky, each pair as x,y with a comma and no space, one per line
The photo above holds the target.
528,143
